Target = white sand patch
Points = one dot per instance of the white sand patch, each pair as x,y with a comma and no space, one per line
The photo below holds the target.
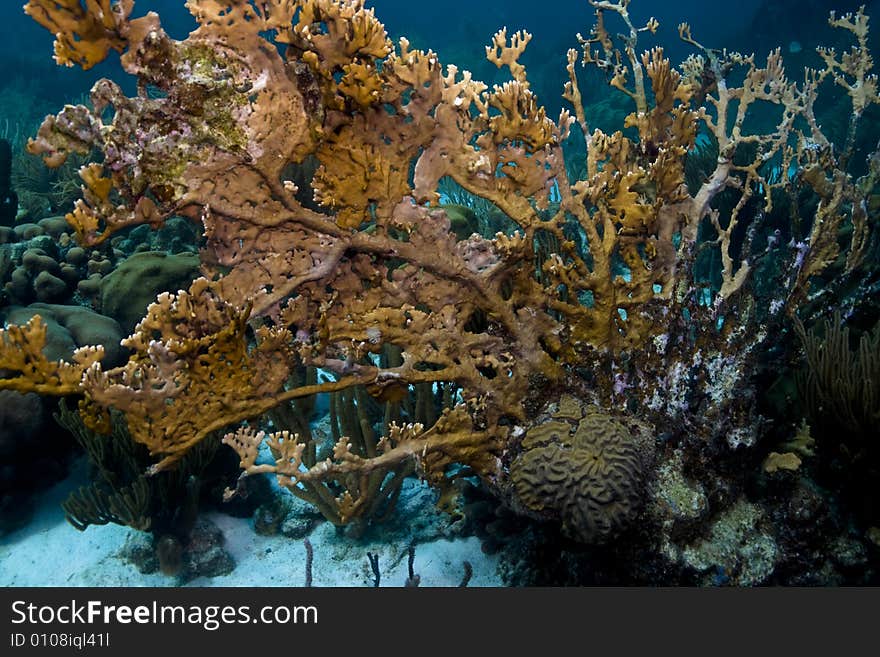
50,552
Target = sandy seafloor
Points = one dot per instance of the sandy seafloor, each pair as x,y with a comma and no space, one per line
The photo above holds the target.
50,552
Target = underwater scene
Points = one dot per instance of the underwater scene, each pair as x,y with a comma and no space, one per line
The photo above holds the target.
389,293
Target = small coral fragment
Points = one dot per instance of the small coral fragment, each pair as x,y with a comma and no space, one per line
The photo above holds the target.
785,461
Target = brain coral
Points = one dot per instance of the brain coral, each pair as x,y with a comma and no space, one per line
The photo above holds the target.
583,468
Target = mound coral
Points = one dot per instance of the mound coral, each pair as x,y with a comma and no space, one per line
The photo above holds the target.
585,469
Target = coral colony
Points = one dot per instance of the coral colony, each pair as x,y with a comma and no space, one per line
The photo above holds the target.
603,338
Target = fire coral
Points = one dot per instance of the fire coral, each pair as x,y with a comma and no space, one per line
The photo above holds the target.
597,292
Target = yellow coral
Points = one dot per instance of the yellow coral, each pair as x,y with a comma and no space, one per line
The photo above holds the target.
83,34
21,355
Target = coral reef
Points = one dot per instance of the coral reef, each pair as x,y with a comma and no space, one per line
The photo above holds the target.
840,384
40,262
839,388
70,327
736,551
626,284
202,556
43,191
165,505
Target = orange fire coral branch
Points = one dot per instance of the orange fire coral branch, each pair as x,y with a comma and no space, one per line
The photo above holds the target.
83,34
315,173
22,357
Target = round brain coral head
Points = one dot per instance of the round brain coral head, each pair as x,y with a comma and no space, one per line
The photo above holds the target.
590,478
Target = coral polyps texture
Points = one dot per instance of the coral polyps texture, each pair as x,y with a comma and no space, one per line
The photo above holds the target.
586,469
618,282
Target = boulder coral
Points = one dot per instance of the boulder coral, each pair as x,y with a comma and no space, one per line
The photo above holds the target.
585,470
126,292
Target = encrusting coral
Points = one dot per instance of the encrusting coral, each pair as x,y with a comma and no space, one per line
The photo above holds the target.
600,276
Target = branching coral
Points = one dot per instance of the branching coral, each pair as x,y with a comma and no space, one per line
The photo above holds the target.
84,33
378,264
450,440
27,369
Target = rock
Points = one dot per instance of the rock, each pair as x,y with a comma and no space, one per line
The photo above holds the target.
140,552
21,419
735,551
213,562
681,501
268,519
296,526
204,555
848,552
32,455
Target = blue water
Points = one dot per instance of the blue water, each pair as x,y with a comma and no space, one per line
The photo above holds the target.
458,30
